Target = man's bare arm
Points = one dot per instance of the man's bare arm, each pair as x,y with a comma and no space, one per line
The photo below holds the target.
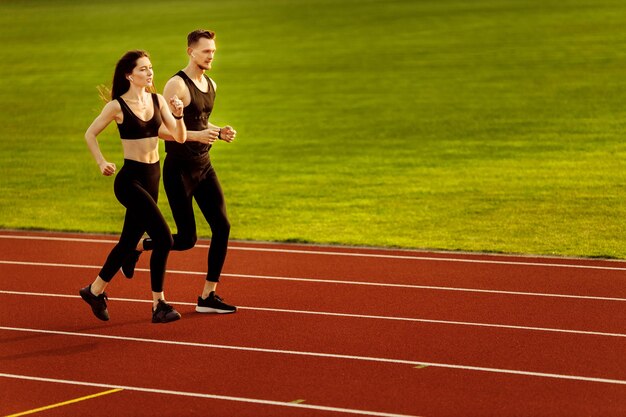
175,86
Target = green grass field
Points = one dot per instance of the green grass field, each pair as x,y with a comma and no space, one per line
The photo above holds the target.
489,125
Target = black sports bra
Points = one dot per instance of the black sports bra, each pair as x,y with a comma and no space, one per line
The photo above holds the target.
133,127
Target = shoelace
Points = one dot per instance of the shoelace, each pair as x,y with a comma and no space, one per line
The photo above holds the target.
218,298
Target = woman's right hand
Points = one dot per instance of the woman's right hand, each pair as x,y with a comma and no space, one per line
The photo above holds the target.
107,168
176,106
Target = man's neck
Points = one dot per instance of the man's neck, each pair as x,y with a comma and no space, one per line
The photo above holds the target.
194,72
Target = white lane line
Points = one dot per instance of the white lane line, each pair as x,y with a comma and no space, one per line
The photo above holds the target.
434,258
207,396
356,316
323,355
58,239
233,246
332,281
420,287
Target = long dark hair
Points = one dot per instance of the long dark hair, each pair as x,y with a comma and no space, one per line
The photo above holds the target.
124,67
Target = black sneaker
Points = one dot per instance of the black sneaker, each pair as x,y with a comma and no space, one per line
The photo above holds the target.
98,303
164,313
214,304
128,266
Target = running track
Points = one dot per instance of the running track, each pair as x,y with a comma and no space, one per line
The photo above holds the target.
321,331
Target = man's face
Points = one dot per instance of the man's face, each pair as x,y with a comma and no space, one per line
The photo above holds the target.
202,53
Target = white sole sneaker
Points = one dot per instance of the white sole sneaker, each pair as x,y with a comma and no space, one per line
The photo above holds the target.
213,310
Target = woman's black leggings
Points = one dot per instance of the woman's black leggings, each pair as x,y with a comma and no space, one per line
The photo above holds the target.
137,188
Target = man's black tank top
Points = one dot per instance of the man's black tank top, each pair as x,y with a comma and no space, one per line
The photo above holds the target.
196,117
133,127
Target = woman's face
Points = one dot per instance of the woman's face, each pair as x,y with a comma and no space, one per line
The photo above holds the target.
142,74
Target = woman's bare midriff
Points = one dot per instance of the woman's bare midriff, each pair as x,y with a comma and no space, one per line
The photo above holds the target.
141,150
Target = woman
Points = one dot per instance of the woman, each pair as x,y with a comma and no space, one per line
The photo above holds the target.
138,113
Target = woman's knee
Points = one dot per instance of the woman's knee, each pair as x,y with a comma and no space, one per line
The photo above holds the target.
184,241
221,229
164,242
225,226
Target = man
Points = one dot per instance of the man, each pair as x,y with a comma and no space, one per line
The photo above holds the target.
187,170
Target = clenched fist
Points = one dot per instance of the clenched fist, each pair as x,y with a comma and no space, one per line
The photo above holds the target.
177,106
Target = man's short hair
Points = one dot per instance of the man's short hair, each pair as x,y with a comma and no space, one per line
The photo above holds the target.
196,35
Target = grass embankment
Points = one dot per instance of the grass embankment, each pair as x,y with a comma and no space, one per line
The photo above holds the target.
481,126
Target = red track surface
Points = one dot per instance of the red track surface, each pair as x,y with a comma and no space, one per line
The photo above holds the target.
321,331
